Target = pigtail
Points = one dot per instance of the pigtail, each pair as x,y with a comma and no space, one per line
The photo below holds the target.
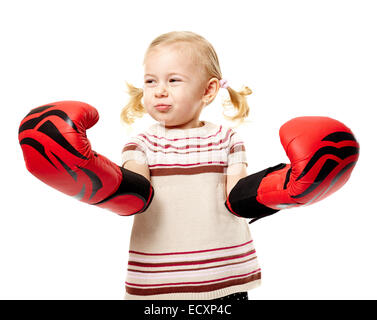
238,100
134,108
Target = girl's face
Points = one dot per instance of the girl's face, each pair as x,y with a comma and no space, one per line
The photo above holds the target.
174,87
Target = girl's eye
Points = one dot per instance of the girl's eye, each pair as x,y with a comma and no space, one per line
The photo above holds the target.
153,81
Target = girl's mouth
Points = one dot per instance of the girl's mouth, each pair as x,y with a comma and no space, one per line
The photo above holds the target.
163,107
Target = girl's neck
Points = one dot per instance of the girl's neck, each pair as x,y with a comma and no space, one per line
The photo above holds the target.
189,125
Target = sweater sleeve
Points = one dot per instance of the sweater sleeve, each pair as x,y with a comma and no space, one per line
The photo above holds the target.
134,150
237,153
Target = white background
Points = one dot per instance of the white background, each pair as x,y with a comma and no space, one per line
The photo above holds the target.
299,58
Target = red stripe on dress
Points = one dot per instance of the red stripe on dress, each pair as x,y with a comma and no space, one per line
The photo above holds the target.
188,263
186,165
193,289
130,146
192,269
196,282
184,153
239,146
187,171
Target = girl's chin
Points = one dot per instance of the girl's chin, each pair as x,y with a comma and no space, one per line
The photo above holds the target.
164,119
167,120
169,124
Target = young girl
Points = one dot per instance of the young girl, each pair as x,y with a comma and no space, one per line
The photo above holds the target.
185,179
187,245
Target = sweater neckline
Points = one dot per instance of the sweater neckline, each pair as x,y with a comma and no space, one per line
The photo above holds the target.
161,131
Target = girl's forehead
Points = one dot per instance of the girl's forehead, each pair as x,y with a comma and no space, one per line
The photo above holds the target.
172,50
175,55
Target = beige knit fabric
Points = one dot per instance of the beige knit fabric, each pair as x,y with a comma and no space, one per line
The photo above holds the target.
187,245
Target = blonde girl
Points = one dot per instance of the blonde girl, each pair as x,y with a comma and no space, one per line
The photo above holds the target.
187,245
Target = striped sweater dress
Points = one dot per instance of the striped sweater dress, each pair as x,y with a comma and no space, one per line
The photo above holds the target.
187,245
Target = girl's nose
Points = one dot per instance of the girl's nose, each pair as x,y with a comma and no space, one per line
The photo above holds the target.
161,90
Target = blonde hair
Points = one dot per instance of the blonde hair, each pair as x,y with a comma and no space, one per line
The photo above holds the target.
203,54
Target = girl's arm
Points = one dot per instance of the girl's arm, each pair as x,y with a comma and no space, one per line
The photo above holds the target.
137,167
235,172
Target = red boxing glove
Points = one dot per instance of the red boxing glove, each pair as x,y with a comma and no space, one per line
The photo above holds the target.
57,151
323,153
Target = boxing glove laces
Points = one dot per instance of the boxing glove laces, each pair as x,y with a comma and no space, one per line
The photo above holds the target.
57,152
322,152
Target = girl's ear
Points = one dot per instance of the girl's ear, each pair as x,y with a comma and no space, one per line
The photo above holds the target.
211,90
